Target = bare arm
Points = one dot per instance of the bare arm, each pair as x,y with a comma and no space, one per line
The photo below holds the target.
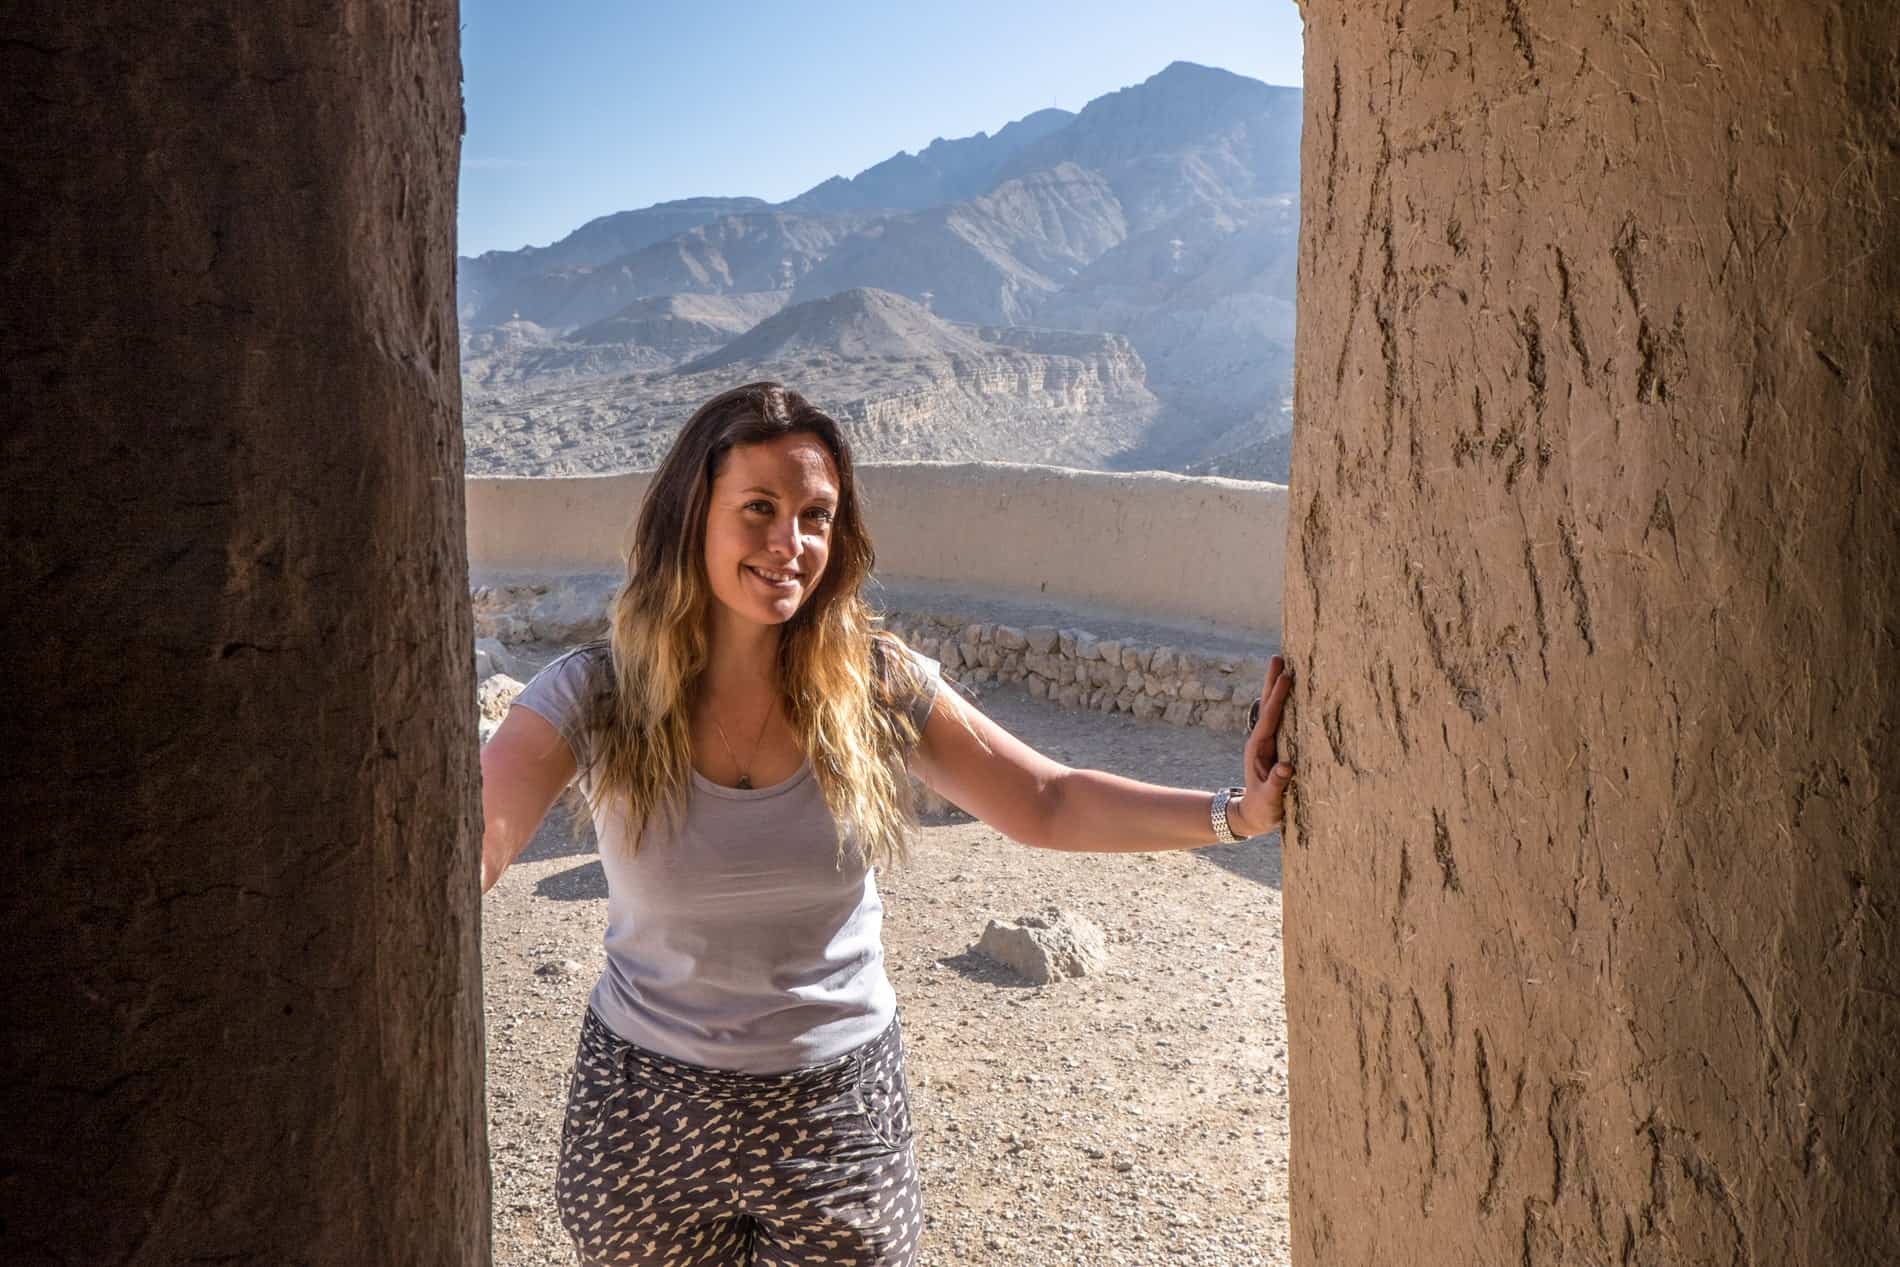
976,764
524,767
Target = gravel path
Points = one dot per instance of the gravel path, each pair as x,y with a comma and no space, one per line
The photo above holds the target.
1134,1116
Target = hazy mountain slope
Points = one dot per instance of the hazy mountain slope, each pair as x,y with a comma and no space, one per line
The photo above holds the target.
648,334
942,172
1270,460
852,325
604,238
1208,300
684,326
753,251
1186,136
990,259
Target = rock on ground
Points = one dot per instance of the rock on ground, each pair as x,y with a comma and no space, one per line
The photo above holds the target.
495,695
1046,947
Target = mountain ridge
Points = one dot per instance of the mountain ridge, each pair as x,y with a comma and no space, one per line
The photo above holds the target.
1164,213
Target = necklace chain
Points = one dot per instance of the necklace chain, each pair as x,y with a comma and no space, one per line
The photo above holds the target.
745,772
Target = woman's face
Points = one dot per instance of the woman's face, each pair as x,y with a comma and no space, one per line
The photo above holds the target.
770,518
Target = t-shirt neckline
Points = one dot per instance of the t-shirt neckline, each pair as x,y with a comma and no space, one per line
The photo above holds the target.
706,785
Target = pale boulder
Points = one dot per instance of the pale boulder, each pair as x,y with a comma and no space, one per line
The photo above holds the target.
1046,947
496,696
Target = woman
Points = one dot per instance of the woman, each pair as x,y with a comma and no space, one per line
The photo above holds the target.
742,739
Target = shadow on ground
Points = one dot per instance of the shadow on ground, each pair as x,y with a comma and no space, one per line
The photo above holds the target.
1256,860
560,836
981,968
585,883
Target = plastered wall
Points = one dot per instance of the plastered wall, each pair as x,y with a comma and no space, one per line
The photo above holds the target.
1592,896
243,996
1153,544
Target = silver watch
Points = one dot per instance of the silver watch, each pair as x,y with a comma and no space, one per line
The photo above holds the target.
1222,832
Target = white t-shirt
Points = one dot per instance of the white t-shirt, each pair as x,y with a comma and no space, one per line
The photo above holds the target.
744,941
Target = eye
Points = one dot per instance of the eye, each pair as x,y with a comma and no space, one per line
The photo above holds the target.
824,515
761,504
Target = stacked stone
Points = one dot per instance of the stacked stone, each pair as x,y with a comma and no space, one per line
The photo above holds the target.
1066,666
1077,669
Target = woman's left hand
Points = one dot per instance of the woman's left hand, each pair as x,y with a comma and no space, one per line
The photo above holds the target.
1263,807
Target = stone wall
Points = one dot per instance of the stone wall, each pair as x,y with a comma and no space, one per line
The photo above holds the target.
1075,669
1174,548
1177,681
1592,943
243,996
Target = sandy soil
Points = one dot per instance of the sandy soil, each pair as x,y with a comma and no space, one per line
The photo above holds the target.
1136,1116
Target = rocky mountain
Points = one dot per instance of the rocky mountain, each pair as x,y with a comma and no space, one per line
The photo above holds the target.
941,173
853,325
648,334
990,259
609,237
1268,460
739,251
1208,298
1191,135
905,384
1164,214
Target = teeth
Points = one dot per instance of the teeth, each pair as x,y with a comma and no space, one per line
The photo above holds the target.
776,576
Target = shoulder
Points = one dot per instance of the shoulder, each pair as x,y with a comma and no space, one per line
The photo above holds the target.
906,679
584,665
563,691
897,664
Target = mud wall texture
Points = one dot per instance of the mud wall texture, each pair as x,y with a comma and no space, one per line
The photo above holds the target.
1171,547
242,997
1591,591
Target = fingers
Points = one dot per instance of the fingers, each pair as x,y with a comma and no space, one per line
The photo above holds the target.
1264,804
1264,737
1275,788
1279,686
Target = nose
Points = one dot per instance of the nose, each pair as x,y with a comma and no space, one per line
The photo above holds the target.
782,538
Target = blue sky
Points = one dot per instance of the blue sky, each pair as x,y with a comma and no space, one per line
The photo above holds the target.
577,108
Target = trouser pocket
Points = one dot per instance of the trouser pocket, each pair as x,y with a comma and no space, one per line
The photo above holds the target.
884,1095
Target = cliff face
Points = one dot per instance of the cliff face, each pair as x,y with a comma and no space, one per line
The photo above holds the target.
1081,408
909,385
1591,596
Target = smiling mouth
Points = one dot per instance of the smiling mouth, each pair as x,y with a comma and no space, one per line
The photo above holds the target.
777,580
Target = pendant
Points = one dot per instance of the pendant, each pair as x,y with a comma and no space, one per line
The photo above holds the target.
745,781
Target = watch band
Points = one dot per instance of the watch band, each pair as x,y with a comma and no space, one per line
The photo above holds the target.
1218,811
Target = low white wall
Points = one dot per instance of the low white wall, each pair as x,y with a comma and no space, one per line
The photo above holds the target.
1162,546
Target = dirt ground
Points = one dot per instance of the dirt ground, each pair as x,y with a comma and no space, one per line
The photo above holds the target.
1134,1116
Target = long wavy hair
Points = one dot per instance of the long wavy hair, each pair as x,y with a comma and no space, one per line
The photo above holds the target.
843,681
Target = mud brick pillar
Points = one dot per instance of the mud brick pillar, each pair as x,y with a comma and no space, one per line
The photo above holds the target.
242,983
1593,891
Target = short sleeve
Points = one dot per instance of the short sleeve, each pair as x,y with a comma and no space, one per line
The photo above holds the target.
561,695
930,675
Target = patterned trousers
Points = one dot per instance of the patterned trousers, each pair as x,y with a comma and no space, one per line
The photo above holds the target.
668,1164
